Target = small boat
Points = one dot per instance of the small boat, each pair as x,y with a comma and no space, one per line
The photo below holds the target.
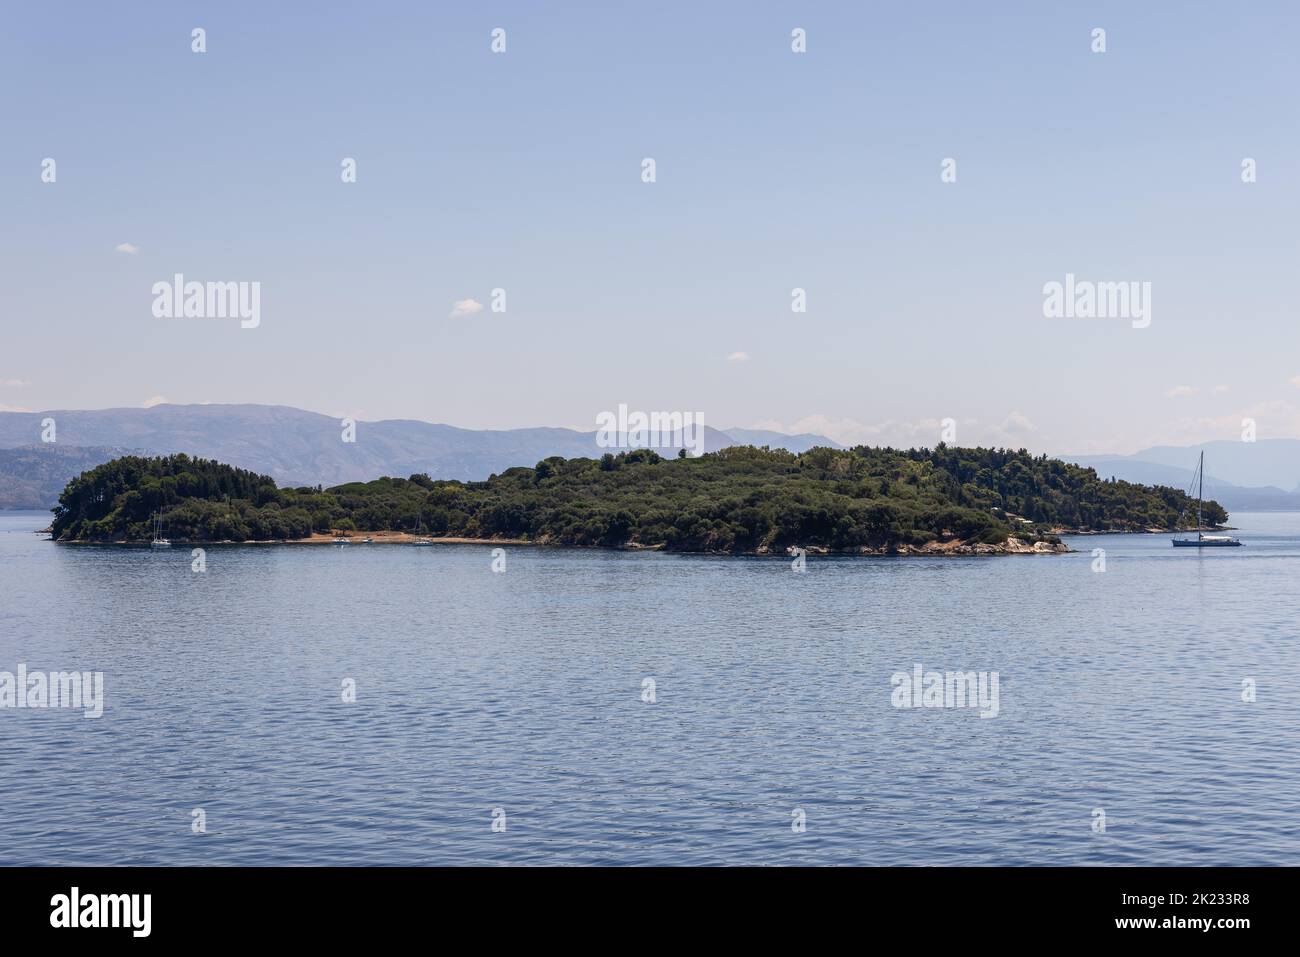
1207,541
367,541
1202,540
419,539
158,540
342,541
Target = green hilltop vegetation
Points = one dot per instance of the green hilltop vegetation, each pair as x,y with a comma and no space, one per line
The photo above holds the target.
737,500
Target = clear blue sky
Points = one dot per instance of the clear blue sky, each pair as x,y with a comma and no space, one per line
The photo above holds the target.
775,170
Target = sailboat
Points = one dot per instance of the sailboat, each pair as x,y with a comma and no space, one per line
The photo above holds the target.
419,539
158,540
1202,540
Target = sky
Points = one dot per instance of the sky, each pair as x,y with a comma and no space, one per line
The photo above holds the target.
774,170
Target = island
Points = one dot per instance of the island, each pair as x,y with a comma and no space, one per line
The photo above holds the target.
739,501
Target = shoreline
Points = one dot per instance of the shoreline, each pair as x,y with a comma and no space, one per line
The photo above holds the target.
1143,531
954,548
377,538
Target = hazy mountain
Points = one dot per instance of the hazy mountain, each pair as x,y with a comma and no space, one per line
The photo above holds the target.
1267,462
32,476
1239,475
293,446
296,447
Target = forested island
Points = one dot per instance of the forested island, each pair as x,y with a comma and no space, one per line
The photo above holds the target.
739,500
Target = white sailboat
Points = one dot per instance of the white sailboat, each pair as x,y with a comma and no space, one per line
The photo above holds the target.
158,540
419,539
1202,540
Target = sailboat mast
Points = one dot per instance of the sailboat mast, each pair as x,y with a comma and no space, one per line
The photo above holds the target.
1200,491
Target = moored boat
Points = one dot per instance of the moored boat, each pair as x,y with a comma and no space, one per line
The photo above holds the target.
159,541
1202,540
419,539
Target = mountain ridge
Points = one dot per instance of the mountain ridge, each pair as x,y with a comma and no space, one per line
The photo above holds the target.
300,447
1261,475
295,446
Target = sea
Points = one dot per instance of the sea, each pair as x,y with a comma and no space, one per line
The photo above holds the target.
456,704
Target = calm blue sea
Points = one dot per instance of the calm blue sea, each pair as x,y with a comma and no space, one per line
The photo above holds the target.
522,693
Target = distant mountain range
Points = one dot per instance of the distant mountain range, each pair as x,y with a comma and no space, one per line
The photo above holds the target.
293,446
296,447
1241,476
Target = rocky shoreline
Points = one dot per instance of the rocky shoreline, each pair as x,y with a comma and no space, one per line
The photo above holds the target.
1142,531
954,548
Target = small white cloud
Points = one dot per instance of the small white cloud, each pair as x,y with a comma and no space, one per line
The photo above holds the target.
1295,381
156,400
1179,391
465,307
14,383
129,248
738,357
1220,389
